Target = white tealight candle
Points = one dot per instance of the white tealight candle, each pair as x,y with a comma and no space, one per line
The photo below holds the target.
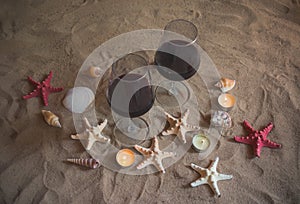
226,100
125,157
200,142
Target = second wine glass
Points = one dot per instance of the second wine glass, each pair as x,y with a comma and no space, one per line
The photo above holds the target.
178,59
130,95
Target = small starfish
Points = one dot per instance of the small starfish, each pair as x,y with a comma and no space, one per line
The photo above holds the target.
258,139
210,176
153,155
92,134
179,126
42,89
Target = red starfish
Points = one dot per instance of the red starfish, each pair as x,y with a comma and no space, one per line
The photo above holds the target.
258,139
42,89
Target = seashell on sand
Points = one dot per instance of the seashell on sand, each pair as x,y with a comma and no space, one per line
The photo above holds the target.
78,99
91,163
221,119
95,71
51,118
225,84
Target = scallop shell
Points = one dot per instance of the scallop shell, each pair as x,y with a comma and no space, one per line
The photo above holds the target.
91,163
225,84
95,72
222,118
51,118
78,99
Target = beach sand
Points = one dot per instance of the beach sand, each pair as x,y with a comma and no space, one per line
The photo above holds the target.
254,42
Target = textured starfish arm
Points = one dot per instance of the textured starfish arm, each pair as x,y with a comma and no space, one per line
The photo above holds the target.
189,127
49,77
257,148
155,145
268,143
184,130
102,125
169,116
90,143
267,130
171,131
197,168
102,138
86,123
185,116
55,89
32,94
167,154
79,137
45,97
245,140
143,150
213,166
199,182
158,164
248,127
182,133
222,177
145,163
33,82
214,186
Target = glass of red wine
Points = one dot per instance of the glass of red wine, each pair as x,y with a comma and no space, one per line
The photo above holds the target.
177,59
130,95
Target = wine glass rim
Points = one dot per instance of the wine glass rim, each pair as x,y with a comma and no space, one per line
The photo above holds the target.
127,80
186,21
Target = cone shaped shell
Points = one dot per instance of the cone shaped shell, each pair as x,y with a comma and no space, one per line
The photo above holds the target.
225,84
91,163
51,118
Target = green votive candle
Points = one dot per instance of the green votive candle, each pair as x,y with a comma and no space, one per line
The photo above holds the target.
200,142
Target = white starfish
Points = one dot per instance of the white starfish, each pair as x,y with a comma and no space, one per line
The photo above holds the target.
92,134
210,176
153,155
179,126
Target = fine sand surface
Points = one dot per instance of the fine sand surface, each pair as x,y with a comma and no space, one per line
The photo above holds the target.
255,42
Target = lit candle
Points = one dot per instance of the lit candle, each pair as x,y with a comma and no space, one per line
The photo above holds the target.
226,100
125,157
200,142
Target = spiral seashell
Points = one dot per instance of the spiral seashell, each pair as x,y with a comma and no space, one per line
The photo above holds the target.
51,118
225,84
95,71
91,163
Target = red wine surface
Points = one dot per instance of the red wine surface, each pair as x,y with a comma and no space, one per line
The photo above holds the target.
181,60
122,88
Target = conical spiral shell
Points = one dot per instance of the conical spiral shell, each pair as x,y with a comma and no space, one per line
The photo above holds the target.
51,118
91,163
225,84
